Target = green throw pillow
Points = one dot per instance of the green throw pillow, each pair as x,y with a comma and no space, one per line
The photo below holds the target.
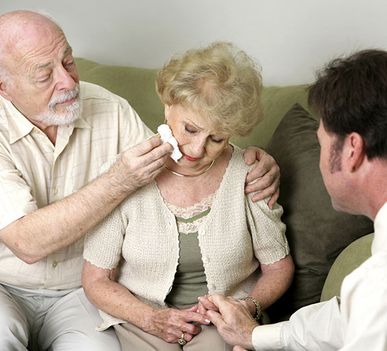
315,231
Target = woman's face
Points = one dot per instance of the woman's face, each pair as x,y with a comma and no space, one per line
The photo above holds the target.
198,139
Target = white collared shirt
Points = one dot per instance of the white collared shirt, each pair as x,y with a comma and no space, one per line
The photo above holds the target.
355,323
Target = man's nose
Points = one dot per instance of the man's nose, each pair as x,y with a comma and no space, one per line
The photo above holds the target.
65,80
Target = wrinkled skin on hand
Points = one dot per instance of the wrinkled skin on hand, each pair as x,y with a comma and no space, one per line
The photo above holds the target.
144,161
169,323
233,321
264,178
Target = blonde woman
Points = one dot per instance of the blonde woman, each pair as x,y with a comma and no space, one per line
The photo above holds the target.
193,231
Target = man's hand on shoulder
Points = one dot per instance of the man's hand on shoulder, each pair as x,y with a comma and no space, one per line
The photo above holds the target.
264,178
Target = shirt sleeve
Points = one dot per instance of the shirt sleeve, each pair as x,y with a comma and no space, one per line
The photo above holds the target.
267,231
103,245
16,199
268,337
132,129
315,327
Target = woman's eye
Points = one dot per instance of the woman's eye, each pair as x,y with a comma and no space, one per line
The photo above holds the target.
190,130
217,140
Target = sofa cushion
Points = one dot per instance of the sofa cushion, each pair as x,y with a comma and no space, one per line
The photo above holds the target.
276,102
348,260
315,231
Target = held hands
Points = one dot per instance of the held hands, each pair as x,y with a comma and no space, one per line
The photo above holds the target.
170,324
205,304
263,180
144,162
232,319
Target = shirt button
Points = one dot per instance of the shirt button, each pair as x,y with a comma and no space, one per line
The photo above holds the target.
206,259
54,264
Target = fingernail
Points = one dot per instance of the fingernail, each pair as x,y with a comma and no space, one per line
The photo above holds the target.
207,321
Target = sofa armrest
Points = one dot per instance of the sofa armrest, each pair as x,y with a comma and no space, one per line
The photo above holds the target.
348,260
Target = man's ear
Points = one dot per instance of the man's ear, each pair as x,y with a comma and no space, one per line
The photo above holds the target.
3,90
354,151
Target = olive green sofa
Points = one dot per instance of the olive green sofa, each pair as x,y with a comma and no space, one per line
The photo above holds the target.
316,233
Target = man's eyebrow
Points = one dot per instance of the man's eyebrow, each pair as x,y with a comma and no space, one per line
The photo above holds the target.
68,50
43,66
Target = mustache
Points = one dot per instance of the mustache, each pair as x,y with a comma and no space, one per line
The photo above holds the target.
68,95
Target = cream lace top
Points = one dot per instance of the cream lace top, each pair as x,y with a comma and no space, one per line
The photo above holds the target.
190,280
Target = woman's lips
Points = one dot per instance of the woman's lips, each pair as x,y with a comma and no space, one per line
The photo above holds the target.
190,158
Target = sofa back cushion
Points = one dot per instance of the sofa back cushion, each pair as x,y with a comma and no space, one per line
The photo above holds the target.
315,231
276,102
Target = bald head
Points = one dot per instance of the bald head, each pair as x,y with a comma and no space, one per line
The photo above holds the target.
20,30
23,20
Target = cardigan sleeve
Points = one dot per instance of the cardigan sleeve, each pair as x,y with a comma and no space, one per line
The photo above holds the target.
103,245
267,231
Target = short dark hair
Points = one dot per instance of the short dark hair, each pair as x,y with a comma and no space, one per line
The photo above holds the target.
350,95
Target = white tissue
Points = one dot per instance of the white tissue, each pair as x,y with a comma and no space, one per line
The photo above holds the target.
167,137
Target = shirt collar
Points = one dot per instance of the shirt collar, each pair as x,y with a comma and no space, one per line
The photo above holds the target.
18,125
380,224
81,123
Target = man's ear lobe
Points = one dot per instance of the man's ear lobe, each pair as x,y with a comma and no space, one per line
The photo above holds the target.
355,153
3,91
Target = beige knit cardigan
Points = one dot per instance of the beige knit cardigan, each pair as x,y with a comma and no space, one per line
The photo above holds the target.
234,238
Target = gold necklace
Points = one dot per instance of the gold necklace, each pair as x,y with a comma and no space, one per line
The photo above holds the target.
191,175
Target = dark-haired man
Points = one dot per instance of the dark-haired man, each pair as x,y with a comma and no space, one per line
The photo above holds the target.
350,96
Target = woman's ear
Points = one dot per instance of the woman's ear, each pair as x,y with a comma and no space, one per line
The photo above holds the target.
167,111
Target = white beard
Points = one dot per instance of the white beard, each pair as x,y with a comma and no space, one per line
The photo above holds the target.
70,115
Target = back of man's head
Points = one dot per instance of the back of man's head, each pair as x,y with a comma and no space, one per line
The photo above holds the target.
350,95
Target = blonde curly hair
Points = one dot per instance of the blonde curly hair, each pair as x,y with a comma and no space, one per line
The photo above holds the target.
220,82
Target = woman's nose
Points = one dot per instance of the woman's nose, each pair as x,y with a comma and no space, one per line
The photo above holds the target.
198,148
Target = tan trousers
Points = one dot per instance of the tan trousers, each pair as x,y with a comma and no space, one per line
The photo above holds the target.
133,338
